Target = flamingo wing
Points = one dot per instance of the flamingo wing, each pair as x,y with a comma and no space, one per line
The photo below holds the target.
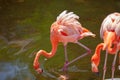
68,28
67,24
117,30
111,23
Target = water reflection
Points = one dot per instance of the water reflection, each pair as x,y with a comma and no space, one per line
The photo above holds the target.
113,79
22,44
55,75
74,69
15,71
59,74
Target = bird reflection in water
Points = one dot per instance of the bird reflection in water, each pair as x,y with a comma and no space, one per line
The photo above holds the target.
63,77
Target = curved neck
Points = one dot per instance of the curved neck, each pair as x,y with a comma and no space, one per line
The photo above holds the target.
54,48
46,54
109,39
112,50
96,57
54,44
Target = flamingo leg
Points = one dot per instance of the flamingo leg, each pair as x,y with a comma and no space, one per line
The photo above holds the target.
65,51
66,58
105,63
81,56
119,62
113,65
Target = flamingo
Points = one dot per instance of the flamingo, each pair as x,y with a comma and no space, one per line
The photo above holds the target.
65,29
110,33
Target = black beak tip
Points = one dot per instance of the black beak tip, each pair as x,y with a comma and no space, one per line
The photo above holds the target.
40,71
97,73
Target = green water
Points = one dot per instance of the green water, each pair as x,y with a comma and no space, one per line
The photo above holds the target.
24,29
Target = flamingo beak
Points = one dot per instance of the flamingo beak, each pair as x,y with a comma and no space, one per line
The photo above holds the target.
95,69
37,68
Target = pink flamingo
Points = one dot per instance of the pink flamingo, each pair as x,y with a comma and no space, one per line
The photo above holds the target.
65,29
110,33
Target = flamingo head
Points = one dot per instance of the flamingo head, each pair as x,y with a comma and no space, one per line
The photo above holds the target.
37,68
94,65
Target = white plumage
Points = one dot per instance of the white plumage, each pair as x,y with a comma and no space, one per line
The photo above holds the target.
67,18
111,23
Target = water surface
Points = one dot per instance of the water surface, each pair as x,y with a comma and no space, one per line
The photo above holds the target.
24,29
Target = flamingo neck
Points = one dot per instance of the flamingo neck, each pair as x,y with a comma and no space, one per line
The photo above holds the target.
113,50
53,50
46,54
109,45
51,53
96,57
95,60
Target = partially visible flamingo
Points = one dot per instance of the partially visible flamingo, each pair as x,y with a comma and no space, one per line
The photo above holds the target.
110,33
65,29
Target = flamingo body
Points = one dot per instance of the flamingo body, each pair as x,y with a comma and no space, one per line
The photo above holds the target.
65,29
110,33
68,29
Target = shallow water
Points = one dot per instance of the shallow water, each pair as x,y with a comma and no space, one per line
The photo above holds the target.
15,71
113,79
24,29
